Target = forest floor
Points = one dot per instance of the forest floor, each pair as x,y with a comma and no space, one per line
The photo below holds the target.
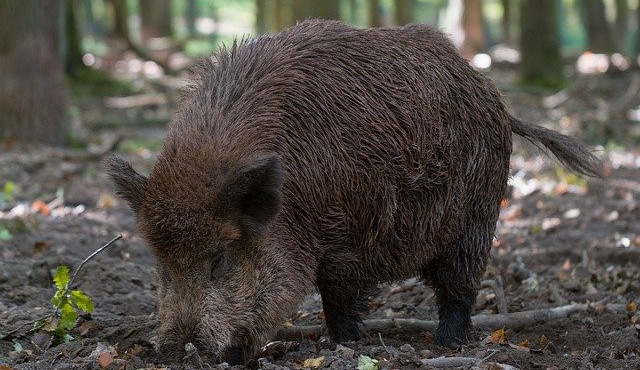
560,240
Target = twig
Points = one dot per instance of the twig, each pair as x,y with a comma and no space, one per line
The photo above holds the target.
383,345
514,321
73,277
501,302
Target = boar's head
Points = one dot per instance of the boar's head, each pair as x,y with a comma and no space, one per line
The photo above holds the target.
224,284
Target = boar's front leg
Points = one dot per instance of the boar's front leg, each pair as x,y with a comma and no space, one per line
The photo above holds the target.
342,303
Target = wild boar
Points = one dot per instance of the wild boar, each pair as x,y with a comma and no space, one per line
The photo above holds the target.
330,157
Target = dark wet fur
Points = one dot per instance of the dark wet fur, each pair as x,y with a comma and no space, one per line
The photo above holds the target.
332,157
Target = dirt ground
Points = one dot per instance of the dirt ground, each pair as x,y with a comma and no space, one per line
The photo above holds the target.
559,240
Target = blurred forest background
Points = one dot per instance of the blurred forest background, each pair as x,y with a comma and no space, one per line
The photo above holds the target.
56,55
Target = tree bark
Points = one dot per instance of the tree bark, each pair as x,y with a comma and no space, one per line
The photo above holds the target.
540,44
404,12
473,28
155,16
599,36
32,93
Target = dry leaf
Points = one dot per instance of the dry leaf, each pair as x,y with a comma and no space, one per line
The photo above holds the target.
40,246
105,359
632,306
313,363
543,341
5,367
88,326
106,201
524,343
504,203
41,207
498,336
566,266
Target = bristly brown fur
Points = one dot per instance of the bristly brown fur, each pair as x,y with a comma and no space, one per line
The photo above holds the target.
329,156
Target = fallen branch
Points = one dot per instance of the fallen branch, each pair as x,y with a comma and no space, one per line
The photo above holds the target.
449,362
514,321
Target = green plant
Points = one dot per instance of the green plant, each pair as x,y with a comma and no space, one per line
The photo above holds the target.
8,192
66,303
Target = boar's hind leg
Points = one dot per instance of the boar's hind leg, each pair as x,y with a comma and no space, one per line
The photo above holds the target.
342,304
455,278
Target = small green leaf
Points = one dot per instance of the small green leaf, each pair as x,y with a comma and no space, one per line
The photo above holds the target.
82,301
68,316
17,346
8,190
367,363
67,338
5,235
61,278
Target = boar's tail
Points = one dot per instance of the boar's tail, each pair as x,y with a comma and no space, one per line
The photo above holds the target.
569,151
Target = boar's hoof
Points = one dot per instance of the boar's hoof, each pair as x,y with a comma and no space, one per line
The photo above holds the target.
451,336
232,356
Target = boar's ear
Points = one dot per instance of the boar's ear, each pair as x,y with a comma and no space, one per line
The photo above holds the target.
130,185
255,192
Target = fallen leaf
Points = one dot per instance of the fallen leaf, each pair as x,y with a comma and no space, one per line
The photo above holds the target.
88,326
41,207
566,266
504,203
498,336
40,246
632,306
368,363
105,359
106,201
525,343
313,363
5,367
543,341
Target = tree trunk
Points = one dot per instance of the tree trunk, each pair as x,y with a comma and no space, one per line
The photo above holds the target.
507,37
32,93
473,28
621,26
120,18
73,52
301,10
326,9
373,12
599,36
191,16
404,12
155,16
541,64
262,22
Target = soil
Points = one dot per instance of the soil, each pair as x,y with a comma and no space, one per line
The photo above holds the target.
560,239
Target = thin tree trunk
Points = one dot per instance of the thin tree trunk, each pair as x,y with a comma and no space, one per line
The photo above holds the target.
191,17
73,52
473,28
301,10
507,38
599,36
404,12
326,9
32,93
155,16
374,14
621,25
261,17
541,64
